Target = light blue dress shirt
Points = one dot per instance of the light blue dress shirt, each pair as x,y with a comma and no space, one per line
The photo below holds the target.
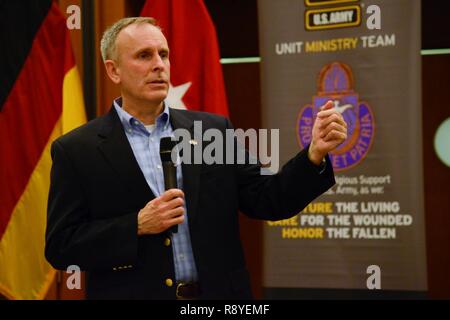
145,147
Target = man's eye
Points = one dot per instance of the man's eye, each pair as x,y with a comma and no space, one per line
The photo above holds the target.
143,55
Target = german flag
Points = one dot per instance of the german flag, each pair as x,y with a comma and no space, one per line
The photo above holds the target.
40,99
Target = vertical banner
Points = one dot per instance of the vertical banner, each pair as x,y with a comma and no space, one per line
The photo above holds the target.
366,232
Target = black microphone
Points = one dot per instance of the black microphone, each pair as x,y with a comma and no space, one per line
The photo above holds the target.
170,173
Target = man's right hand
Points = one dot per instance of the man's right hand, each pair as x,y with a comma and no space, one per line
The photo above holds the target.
162,213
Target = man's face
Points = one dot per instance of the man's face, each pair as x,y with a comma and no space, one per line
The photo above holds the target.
142,62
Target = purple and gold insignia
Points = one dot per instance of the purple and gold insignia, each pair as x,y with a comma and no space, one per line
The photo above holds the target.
336,84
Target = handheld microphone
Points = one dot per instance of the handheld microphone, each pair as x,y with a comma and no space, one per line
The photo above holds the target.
170,173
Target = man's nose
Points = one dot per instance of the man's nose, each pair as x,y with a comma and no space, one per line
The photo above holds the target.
158,63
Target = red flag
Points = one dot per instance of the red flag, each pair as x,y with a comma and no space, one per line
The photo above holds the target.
196,73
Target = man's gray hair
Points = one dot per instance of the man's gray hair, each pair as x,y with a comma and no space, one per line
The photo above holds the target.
108,42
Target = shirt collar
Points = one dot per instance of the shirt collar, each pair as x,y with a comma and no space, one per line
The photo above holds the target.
129,122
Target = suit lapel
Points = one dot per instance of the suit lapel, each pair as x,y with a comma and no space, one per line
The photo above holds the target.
116,149
191,172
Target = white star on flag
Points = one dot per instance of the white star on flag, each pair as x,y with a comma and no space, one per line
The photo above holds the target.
175,94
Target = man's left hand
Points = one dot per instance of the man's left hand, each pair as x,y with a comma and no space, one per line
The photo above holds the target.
328,132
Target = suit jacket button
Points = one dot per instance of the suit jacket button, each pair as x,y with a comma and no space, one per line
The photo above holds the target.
167,242
169,282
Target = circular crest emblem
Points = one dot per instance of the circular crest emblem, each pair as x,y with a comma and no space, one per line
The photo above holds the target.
335,83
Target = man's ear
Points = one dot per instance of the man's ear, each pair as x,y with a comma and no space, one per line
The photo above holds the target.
112,71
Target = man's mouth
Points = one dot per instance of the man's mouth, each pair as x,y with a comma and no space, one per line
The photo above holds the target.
158,81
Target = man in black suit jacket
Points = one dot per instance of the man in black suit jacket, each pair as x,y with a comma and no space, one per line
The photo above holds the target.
104,217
